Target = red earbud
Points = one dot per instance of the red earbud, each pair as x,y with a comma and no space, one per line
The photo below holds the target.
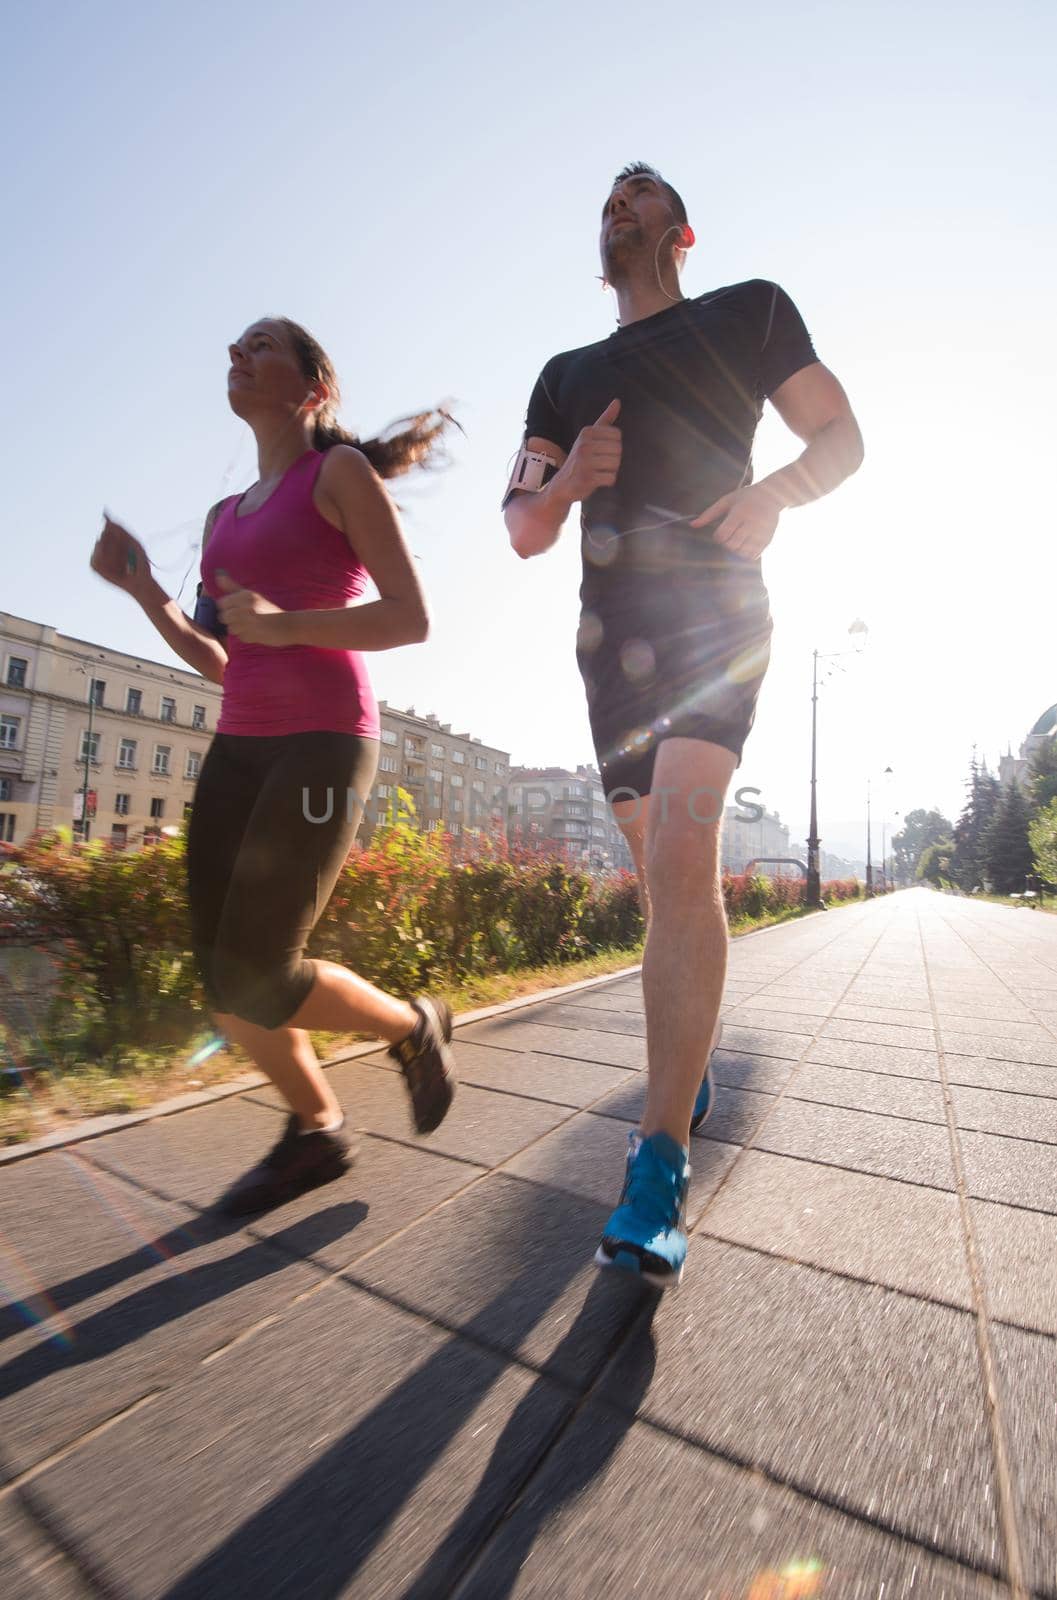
688,237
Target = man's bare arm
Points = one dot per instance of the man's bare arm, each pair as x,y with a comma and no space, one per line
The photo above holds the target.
813,405
534,518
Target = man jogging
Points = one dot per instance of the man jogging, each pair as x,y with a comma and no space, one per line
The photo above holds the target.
651,430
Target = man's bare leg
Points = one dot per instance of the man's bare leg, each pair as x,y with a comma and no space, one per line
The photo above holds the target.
685,961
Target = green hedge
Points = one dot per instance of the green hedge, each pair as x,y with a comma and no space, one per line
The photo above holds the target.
412,910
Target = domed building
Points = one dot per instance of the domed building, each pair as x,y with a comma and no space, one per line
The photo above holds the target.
1014,769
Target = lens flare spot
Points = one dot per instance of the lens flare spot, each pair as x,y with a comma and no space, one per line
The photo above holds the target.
750,664
210,1048
601,546
799,1580
637,660
589,634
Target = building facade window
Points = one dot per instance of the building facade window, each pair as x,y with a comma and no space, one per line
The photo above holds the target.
194,764
436,775
134,702
500,768
119,834
157,808
9,727
383,791
121,804
126,755
456,781
98,691
387,764
198,717
481,763
89,746
437,752
7,827
168,708
162,757
17,667
6,789
388,736
458,757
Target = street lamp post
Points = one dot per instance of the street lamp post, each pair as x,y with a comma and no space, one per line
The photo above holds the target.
87,752
813,887
869,863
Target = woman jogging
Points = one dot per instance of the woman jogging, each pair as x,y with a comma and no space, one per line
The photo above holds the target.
286,777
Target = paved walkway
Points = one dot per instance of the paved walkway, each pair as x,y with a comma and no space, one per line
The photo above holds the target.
412,1384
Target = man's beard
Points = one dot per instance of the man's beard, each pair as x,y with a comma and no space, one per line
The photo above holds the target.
621,251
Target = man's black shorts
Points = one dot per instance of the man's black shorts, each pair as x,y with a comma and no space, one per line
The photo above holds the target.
671,649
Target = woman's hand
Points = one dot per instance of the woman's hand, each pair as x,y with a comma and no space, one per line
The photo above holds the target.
120,558
250,617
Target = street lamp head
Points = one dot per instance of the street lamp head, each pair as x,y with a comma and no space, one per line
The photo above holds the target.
858,632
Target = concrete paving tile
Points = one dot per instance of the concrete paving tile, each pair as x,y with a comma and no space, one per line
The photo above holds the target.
887,1147
867,1398
1002,1075
1013,1171
582,1044
557,1015
1003,1048
32,1567
1027,1374
350,1450
786,1022
505,1239
995,1010
555,1078
736,1116
857,1011
879,1033
607,1000
764,1042
886,1093
897,1234
116,1294
999,1028
586,1156
1021,1116
875,1058
689,1524
790,1005
1018,1249
735,1069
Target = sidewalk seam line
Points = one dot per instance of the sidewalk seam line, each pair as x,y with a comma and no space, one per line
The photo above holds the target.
1007,1501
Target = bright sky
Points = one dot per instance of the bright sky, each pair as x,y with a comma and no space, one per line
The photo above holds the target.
423,192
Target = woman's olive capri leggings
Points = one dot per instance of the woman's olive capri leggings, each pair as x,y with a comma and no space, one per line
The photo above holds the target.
273,821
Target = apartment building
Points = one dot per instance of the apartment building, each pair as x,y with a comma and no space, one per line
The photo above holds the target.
568,808
455,781
749,838
71,710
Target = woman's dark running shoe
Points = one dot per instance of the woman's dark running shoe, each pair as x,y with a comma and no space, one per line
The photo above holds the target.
427,1062
298,1162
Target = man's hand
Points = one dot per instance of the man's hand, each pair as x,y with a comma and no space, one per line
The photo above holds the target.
594,459
747,520
250,617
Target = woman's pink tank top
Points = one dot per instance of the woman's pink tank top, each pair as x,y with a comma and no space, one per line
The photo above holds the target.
288,552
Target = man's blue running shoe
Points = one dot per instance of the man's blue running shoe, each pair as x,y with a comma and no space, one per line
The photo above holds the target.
645,1234
706,1095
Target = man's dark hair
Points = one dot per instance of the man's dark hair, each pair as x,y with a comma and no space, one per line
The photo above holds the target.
637,169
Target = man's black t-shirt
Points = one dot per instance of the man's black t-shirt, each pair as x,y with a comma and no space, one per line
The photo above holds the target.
691,380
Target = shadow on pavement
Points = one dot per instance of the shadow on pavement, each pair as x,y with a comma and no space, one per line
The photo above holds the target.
316,1535
173,1296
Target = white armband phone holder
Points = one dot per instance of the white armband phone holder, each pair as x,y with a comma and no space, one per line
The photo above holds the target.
533,470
